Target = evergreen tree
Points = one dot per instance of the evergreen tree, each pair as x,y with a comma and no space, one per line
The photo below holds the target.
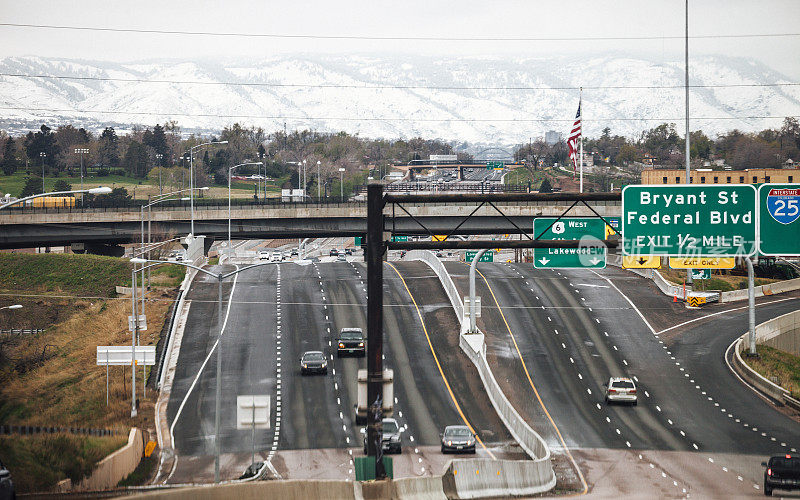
32,186
109,148
10,161
546,187
135,162
62,185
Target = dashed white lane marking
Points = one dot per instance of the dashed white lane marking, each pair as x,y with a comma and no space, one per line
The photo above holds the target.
278,414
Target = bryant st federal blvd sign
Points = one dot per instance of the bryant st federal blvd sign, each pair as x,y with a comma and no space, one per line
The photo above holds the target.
689,221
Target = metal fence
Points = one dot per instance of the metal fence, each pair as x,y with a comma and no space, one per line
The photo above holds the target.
29,430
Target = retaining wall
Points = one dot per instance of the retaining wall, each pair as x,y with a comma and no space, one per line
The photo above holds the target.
115,467
760,291
284,490
771,334
483,477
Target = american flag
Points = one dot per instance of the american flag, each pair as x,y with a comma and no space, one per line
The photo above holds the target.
572,142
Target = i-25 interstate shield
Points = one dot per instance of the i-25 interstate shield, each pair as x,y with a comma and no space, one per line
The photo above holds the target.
784,204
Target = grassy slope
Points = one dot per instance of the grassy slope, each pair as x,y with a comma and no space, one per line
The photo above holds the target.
37,463
779,364
52,378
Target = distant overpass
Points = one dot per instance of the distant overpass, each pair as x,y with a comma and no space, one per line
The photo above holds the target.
112,226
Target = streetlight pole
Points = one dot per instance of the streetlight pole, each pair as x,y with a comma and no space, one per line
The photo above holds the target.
81,151
159,156
341,183
318,181
230,170
42,155
220,277
191,176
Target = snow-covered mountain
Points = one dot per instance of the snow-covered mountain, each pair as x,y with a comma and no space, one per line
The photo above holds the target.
477,100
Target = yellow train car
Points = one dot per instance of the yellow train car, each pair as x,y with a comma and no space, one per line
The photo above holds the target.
52,202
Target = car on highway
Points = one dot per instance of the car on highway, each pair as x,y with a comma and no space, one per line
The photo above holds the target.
458,439
620,390
313,362
348,251
390,439
351,341
295,252
277,256
263,255
782,473
341,258
333,252
7,491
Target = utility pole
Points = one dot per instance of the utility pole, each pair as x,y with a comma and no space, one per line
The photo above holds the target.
686,86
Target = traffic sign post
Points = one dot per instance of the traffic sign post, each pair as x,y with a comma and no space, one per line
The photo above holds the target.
486,257
588,229
252,412
696,221
779,219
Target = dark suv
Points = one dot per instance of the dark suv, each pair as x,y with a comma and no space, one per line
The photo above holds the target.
351,341
783,473
6,485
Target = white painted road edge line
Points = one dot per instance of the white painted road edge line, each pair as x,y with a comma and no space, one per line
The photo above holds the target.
197,377
723,312
629,301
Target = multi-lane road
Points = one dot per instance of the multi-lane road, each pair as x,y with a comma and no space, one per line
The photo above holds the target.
553,339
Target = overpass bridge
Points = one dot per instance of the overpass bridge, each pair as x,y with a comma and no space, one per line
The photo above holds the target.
31,227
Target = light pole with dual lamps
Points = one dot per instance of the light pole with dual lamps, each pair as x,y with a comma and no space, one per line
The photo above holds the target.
341,183
230,170
191,175
42,155
159,156
218,345
81,151
318,181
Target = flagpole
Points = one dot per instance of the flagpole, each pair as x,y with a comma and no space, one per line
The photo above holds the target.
580,102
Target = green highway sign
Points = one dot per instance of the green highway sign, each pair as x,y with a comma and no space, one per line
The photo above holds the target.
357,241
689,221
570,228
701,274
779,219
494,165
486,257
399,238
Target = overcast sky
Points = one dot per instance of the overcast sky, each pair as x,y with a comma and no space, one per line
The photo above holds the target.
410,18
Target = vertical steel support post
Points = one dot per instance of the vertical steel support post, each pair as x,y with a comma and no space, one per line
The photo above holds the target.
219,381
134,334
375,250
751,302
472,268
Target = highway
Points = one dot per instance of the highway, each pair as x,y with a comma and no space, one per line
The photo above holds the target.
281,310
575,329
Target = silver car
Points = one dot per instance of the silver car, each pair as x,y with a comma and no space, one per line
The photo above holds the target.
458,439
620,390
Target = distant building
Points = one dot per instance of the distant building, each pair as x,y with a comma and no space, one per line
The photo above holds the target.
552,137
708,176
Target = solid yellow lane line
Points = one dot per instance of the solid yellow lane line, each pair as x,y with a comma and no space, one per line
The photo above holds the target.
533,386
439,366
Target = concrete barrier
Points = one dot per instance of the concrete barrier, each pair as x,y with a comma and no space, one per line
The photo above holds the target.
770,333
483,477
284,490
115,467
763,290
538,473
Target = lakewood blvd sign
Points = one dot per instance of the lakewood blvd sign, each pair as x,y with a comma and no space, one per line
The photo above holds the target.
689,221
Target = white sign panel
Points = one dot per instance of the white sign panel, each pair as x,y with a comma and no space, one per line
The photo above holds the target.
252,412
443,157
121,355
142,323
477,307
